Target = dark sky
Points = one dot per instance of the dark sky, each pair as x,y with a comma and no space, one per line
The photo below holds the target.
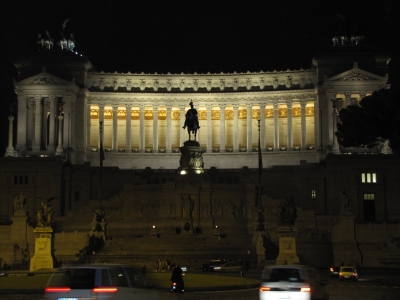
191,36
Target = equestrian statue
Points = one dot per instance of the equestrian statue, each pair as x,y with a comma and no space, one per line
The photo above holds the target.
191,121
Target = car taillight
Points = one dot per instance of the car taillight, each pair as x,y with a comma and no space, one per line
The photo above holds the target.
305,289
105,289
57,289
264,289
331,269
174,283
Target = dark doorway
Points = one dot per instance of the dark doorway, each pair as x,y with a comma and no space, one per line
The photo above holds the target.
369,207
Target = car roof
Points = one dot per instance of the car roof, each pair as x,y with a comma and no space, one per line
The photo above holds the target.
288,267
91,266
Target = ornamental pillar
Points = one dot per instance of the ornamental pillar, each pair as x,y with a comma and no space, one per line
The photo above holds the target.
249,128
22,127
38,123
141,128
128,143
235,128
168,132
60,147
222,127
155,129
209,128
10,148
115,129
44,123
52,124
289,126
276,126
88,124
262,126
303,125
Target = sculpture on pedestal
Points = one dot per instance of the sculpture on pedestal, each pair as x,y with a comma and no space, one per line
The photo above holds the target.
287,212
19,203
45,213
191,160
192,121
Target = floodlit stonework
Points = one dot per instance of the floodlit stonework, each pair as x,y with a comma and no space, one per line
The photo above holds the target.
226,210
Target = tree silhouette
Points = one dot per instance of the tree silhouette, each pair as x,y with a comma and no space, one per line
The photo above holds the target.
371,123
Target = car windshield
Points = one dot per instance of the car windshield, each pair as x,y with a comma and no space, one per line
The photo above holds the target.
74,278
284,274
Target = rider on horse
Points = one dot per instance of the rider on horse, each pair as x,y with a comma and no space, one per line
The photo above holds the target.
191,113
191,121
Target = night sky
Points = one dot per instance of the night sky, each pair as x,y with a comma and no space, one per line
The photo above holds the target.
191,36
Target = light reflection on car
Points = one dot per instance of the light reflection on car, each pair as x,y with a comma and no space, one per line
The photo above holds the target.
229,267
105,281
295,282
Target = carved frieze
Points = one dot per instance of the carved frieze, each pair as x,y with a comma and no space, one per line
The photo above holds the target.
355,75
44,80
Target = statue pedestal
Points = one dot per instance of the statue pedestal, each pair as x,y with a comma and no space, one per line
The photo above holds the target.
345,247
43,257
191,161
287,246
18,228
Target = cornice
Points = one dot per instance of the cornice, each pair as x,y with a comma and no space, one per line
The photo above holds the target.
198,82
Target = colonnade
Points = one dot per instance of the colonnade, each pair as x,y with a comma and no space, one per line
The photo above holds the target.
234,130
41,123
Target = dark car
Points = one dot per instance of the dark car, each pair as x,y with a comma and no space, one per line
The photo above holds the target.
334,272
209,267
229,267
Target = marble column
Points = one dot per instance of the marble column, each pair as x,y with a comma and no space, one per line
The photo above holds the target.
52,124
101,119
128,142
347,100
317,128
155,129
262,126
249,128
30,124
10,148
169,126
22,126
44,122
88,125
303,125
115,129
276,126
289,126
182,120
38,123
222,127
235,128
141,128
209,128
60,146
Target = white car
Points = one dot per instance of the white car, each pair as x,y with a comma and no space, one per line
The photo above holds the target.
295,282
98,282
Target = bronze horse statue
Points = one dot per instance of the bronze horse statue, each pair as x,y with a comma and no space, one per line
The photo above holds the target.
191,121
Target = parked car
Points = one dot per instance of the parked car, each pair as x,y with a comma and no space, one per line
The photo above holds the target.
348,273
295,282
208,267
334,272
105,282
229,267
